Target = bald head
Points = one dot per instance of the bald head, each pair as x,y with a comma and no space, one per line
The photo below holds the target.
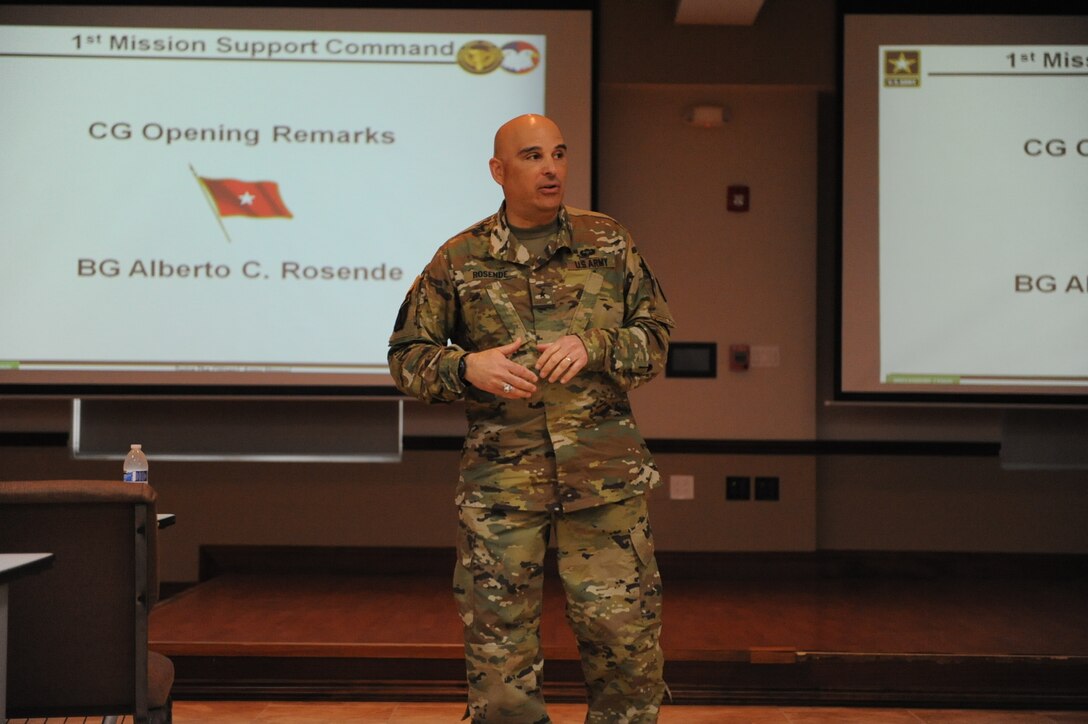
530,163
506,138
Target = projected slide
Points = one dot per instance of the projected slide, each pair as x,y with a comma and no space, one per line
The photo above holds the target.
983,214
237,200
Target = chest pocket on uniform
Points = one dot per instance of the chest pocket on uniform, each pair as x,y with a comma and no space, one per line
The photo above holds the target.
508,314
583,313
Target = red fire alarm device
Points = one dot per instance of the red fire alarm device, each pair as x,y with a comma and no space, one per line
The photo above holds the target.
738,357
737,198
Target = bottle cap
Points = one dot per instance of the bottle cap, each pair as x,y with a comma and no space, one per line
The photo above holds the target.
137,446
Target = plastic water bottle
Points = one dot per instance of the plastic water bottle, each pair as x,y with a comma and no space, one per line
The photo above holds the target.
135,465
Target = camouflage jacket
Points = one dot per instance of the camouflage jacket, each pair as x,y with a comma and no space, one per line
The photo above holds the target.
569,446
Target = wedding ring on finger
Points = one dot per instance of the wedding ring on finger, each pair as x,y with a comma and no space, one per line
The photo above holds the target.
507,388
568,360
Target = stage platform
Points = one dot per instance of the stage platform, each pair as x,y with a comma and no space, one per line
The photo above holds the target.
966,630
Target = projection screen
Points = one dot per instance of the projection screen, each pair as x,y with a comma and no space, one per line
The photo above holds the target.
964,266
237,199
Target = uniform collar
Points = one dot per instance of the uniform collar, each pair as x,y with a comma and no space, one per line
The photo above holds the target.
504,245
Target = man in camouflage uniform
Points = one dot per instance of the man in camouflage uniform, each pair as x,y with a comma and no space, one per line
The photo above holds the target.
542,317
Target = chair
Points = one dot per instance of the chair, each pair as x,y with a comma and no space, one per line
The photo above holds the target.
77,640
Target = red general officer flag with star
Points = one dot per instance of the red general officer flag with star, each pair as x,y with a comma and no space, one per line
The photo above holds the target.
257,199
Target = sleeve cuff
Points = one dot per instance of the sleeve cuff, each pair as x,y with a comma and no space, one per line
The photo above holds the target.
451,369
593,341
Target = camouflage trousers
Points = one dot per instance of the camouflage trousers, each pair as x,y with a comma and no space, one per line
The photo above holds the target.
613,589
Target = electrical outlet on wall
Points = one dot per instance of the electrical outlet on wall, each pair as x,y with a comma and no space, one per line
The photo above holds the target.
682,487
767,488
738,487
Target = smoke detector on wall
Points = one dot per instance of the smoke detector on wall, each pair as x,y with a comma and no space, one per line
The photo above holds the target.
707,116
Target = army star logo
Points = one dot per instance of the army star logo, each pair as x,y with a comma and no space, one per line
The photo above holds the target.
902,68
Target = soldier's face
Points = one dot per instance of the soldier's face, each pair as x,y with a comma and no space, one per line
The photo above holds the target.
531,166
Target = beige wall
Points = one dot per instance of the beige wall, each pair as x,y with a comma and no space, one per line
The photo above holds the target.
411,504
406,504
961,504
791,43
730,277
